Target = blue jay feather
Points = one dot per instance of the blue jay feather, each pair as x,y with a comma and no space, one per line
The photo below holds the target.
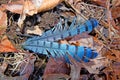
60,32
45,44
57,50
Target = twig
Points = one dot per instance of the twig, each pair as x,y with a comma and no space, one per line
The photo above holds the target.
101,35
109,20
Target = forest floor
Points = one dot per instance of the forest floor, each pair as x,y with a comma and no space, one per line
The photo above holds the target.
17,63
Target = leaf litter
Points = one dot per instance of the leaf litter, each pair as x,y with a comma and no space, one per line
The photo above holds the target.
22,20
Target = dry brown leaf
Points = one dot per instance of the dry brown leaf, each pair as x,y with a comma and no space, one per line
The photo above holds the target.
82,40
6,45
3,22
100,2
86,40
115,12
31,7
48,4
15,7
56,77
56,67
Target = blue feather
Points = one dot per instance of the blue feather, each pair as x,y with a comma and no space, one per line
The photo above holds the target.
43,44
59,50
60,32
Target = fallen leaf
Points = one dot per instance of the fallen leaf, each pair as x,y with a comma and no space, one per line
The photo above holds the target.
82,40
56,77
6,45
100,2
15,7
115,12
48,4
56,67
31,7
3,22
